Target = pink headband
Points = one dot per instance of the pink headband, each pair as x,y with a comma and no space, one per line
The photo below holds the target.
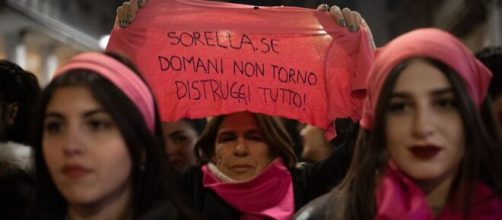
430,43
121,76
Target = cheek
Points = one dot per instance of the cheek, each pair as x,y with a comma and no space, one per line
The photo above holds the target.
116,168
395,131
396,153
220,152
261,153
454,135
458,146
50,153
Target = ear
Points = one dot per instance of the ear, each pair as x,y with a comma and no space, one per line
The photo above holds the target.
12,110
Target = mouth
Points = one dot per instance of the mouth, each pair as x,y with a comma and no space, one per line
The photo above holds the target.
75,171
425,152
241,168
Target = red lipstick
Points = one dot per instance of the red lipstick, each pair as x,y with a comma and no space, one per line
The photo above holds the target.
425,152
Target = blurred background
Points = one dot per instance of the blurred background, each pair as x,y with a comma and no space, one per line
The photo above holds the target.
41,34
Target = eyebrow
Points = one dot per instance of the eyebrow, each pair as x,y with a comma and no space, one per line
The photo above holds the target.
86,114
175,133
437,92
225,132
53,115
94,112
440,92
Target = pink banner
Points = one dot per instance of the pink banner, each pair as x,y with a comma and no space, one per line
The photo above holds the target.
207,58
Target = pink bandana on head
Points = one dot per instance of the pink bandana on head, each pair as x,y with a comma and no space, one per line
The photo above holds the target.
429,43
118,74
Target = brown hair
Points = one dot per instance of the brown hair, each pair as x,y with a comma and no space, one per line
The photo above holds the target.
274,134
354,198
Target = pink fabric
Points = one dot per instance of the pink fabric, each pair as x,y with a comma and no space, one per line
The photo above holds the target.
398,197
295,62
269,195
121,76
430,43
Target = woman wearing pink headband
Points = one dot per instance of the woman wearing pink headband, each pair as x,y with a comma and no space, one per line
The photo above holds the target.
429,147
98,145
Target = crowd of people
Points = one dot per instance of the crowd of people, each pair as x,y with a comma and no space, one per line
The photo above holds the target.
91,144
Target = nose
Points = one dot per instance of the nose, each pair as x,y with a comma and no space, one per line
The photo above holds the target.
73,142
242,148
423,124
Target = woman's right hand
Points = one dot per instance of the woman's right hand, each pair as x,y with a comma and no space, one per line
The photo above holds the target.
127,12
352,20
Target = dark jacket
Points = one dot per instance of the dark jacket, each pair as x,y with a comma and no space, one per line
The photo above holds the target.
315,209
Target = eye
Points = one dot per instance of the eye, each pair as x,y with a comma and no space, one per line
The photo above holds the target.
255,136
180,138
398,106
99,124
226,137
446,103
53,126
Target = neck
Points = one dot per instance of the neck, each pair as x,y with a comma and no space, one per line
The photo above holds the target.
117,206
437,193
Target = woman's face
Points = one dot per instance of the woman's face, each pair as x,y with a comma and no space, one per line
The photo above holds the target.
180,141
84,151
240,150
424,131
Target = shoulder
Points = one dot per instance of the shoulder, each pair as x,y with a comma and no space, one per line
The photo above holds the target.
16,154
161,210
316,209
192,177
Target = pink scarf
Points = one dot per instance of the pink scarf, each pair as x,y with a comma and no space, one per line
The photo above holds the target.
398,197
268,195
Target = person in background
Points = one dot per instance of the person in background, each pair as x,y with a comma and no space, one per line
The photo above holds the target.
98,146
492,58
19,91
429,147
181,137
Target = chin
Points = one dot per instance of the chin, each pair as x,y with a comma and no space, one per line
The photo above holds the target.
424,175
79,197
244,177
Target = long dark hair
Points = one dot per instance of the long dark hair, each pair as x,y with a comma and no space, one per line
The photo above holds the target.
151,176
354,198
273,131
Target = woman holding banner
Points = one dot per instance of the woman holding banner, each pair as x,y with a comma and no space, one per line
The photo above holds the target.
98,146
249,170
429,147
